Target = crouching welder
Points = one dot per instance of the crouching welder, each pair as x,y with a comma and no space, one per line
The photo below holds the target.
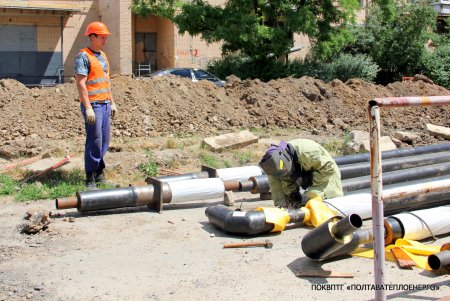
300,170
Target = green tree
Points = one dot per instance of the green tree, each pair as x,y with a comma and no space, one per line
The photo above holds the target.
396,44
259,27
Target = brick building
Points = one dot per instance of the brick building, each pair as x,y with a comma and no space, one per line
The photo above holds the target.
40,39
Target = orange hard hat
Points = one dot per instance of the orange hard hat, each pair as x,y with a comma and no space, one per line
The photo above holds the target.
97,28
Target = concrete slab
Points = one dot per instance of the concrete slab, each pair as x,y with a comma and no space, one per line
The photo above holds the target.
231,140
406,136
436,130
41,165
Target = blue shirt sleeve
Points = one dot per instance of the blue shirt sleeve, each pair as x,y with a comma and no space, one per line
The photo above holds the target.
82,65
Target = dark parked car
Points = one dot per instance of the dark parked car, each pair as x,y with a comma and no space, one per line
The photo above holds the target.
192,73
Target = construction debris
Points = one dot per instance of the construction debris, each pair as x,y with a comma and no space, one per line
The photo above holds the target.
438,131
36,222
229,141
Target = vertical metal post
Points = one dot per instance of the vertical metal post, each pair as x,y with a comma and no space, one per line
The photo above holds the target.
61,70
377,203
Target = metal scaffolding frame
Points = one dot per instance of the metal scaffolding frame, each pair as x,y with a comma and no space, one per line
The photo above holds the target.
376,176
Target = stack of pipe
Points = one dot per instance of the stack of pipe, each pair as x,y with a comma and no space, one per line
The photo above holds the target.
425,162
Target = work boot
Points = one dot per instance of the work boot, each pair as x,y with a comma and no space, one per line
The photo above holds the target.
90,181
100,179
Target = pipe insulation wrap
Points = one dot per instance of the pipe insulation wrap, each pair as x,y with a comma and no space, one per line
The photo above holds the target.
196,189
238,173
361,204
437,219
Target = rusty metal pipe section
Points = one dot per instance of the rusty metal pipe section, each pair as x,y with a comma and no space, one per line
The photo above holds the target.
407,101
66,203
439,260
246,185
331,236
232,185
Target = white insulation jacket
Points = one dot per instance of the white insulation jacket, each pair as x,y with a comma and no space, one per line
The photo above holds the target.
238,173
196,189
360,204
437,219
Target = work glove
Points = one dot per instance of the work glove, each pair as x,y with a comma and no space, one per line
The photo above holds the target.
113,109
90,116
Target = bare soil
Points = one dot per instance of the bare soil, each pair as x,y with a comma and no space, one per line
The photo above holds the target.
137,254
35,120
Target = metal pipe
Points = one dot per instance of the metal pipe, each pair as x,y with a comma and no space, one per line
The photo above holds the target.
410,101
330,236
361,169
399,176
347,225
409,197
232,185
245,223
66,203
439,260
421,224
238,173
182,177
238,222
260,183
410,190
246,185
195,189
376,180
360,237
114,198
403,152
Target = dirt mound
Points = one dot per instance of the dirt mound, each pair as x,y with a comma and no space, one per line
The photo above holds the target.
32,119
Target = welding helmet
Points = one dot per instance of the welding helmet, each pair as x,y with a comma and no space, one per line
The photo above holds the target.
277,161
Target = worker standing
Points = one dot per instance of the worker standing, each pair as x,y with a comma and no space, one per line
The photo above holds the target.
299,170
97,104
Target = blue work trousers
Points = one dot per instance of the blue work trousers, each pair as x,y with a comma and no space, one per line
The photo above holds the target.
97,137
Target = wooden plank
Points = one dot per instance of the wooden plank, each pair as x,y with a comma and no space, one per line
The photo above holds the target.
404,261
323,274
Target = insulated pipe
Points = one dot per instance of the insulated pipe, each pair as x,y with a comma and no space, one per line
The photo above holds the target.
195,189
186,176
360,237
402,163
399,176
408,197
439,260
108,199
403,152
233,173
329,237
421,224
245,223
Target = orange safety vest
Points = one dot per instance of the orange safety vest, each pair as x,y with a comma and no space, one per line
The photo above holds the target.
97,82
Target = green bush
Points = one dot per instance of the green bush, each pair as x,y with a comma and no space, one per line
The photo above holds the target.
437,65
247,68
347,66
